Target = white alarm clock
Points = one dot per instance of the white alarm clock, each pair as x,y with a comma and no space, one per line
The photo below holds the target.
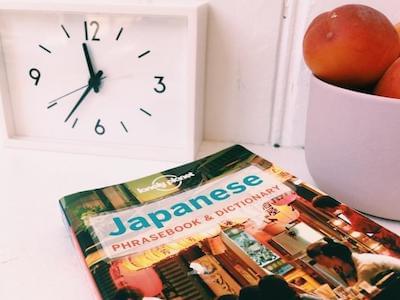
104,78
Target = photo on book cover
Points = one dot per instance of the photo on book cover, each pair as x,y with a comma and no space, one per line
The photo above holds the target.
231,225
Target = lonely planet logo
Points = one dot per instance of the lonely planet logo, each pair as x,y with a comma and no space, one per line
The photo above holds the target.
165,183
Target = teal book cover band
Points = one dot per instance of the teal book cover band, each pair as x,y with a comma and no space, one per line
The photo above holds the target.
228,226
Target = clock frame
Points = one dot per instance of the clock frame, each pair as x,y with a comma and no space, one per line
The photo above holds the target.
196,15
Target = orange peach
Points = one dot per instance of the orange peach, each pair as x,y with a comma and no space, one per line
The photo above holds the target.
351,46
389,84
397,27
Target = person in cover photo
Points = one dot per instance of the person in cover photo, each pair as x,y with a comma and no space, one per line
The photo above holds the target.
227,297
251,292
131,294
352,267
277,288
357,221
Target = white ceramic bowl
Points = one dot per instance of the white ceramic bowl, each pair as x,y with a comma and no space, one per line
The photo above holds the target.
353,148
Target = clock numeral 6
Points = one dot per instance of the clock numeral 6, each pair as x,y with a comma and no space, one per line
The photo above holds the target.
99,129
35,75
97,26
161,86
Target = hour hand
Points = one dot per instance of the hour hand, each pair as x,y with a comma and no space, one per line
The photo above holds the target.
90,65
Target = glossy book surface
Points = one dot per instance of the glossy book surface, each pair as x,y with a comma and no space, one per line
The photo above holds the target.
231,223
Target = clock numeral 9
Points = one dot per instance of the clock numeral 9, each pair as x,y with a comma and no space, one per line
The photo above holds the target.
97,26
99,129
161,86
35,75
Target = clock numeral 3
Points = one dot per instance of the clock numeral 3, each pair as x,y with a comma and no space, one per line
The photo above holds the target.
99,129
35,75
161,85
96,30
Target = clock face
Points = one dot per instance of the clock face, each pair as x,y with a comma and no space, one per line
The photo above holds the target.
106,78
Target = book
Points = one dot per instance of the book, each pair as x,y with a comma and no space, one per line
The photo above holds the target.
228,224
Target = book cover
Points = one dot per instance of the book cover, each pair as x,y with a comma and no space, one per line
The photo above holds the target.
231,223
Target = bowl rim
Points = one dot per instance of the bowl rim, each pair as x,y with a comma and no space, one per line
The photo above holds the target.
368,97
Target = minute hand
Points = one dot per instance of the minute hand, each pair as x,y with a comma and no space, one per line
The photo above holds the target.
85,93
94,84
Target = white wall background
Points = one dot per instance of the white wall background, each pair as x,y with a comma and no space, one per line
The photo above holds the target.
257,82
242,52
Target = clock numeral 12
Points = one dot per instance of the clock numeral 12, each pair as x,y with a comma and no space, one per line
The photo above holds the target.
99,129
96,30
35,75
161,86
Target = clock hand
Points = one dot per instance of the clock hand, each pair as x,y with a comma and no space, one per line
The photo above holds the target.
90,66
70,93
67,94
85,93
88,60
93,83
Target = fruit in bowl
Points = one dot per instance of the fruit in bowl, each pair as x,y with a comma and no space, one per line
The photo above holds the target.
352,142
389,84
351,46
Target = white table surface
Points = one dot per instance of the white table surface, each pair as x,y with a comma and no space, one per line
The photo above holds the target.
37,260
